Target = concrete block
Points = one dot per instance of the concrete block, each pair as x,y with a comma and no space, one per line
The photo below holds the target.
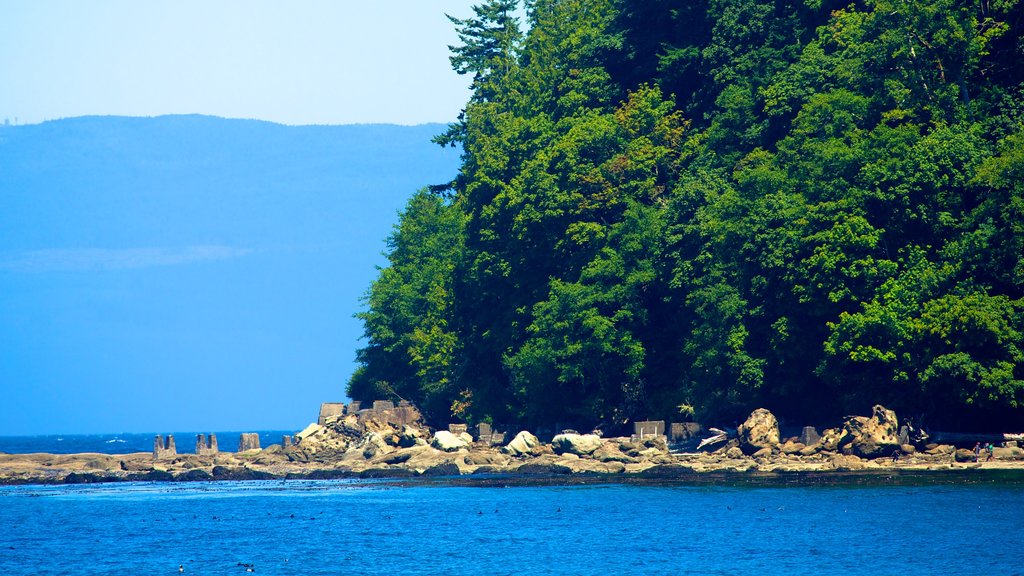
164,447
809,436
249,441
206,446
649,428
683,431
330,410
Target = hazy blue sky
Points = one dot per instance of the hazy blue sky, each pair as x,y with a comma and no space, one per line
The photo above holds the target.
116,288
302,62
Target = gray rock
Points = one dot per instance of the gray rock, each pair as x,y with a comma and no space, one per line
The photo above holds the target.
812,449
448,442
1013,453
832,438
308,431
760,430
904,434
542,469
373,444
792,447
409,437
443,469
964,455
579,444
523,444
610,452
871,436
396,458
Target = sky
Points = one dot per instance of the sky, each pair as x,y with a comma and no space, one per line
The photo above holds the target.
294,63
302,62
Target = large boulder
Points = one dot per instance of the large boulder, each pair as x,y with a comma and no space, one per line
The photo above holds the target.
448,442
579,444
318,443
612,452
371,445
1008,453
964,455
448,468
308,431
411,436
524,444
871,436
832,438
791,447
759,431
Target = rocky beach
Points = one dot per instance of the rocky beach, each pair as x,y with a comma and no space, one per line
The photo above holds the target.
393,442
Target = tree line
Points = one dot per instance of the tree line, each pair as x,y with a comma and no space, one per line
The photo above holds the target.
690,208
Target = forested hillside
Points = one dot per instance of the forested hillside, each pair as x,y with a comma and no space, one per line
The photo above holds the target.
690,208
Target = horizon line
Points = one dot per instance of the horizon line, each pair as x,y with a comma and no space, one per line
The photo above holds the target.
7,124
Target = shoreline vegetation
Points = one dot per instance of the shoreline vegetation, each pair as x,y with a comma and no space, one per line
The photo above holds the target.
393,444
689,209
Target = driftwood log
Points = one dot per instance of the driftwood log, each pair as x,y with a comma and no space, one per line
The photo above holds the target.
720,436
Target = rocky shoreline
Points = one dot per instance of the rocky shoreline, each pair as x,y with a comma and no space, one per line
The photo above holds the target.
377,444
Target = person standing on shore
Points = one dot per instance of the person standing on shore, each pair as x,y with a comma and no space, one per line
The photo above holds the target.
989,448
977,451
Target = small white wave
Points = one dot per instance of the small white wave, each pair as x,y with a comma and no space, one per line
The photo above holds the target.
116,440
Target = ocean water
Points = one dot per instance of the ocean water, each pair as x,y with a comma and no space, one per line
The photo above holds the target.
381,528
125,443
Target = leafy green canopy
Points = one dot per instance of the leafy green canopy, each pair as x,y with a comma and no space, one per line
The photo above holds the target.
673,207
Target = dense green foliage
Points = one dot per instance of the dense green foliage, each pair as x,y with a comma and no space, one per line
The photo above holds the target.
669,207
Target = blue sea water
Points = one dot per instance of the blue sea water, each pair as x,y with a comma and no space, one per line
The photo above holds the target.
124,443
379,528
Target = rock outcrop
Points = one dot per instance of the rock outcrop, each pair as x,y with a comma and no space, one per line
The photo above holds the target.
759,431
363,435
448,442
579,444
871,436
389,443
524,444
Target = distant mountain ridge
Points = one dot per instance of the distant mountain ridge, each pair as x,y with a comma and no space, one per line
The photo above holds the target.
189,253
173,165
